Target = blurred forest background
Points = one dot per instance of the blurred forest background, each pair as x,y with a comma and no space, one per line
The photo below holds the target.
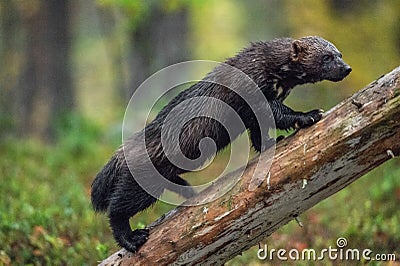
68,68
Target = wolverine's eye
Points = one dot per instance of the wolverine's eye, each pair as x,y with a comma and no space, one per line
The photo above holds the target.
327,58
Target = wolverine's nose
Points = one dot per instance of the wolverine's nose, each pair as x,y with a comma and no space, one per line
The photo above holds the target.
347,70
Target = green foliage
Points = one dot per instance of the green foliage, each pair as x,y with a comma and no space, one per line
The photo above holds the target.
45,211
103,250
381,231
137,11
227,25
45,215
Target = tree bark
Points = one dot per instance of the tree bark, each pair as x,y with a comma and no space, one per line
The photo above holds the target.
158,41
10,50
45,88
354,137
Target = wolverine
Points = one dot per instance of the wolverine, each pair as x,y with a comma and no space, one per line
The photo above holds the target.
275,66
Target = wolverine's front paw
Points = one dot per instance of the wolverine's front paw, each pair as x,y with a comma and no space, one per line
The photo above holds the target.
309,118
134,240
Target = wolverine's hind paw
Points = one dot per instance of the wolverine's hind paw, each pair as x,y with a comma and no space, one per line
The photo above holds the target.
134,240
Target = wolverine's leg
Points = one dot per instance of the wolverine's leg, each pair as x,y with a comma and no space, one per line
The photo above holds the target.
128,198
256,138
125,237
286,118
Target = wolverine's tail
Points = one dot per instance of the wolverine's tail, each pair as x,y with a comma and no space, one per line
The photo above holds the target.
103,185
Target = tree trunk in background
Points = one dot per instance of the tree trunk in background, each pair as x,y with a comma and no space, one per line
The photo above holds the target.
9,62
157,42
45,90
109,19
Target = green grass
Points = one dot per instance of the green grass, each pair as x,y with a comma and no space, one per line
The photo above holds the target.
45,211
46,216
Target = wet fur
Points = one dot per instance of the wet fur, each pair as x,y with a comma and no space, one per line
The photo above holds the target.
275,66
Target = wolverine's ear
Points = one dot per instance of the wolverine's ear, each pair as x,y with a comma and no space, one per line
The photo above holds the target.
297,49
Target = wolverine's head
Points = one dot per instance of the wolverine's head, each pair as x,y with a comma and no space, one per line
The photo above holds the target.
318,59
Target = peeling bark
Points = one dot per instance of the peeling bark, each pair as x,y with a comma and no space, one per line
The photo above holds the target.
354,137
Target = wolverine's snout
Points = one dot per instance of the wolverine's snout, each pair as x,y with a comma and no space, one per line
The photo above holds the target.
340,71
346,70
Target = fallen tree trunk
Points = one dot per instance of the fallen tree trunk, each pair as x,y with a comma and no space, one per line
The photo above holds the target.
354,137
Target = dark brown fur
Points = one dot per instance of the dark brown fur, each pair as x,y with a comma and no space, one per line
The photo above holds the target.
275,66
